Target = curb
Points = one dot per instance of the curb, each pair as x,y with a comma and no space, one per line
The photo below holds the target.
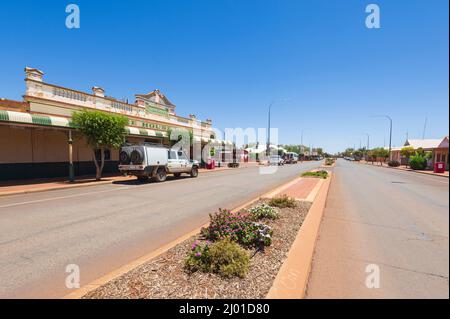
79,293
407,170
292,278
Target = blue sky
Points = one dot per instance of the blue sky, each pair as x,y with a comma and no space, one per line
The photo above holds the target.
228,59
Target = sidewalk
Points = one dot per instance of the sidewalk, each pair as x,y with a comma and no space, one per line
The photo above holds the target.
404,168
47,184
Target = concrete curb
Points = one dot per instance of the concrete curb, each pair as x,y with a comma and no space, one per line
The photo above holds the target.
79,293
292,278
407,170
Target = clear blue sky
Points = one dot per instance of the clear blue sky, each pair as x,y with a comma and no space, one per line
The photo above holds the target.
227,59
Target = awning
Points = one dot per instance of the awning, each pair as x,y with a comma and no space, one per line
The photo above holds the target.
212,141
56,121
144,132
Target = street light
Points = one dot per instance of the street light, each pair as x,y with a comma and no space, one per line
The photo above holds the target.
268,133
390,131
368,141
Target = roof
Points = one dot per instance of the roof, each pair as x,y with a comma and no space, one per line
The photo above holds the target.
12,104
427,143
155,93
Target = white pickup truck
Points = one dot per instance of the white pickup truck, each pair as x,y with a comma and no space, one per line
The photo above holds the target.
155,161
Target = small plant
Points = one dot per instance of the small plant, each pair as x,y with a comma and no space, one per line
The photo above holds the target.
233,165
198,258
329,161
319,174
418,162
394,163
223,257
228,259
263,211
283,202
238,227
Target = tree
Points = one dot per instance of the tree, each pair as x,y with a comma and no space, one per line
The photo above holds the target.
378,154
102,131
407,152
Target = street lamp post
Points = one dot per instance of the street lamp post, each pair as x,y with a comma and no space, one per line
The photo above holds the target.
390,131
268,133
368,141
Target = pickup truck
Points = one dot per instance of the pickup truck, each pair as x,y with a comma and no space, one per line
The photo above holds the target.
155,162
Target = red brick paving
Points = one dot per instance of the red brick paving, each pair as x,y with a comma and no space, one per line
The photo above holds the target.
301,189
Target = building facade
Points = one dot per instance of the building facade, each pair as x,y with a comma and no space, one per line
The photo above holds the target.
35,134
439,149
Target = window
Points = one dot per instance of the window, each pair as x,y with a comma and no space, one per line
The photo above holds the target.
107,154
181,155
172,155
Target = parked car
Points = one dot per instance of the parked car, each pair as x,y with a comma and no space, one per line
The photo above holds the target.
276,160
291,158
155,162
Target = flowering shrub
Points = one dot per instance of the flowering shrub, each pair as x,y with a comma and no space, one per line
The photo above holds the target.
198,258
223,257
263,211
237,227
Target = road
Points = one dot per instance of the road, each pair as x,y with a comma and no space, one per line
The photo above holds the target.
393,221
101,228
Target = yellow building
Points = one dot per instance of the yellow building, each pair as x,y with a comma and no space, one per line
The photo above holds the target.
35,132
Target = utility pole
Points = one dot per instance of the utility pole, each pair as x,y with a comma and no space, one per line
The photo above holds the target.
368,140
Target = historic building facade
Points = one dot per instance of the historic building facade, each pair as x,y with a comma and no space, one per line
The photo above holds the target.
35,133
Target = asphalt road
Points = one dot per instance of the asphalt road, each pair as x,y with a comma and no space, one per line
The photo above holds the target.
393,221
101,228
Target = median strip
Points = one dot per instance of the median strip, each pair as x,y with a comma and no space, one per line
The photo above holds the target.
163,274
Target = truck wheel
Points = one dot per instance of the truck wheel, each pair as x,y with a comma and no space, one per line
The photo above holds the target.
160,175
177,175
194,172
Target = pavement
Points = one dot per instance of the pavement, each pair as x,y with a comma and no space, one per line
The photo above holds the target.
103,227
389,222
406,168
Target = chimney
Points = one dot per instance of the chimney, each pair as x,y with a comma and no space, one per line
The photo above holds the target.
34,74
98,91
192,116
208,121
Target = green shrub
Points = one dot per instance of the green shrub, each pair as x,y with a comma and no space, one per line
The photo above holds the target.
263,211
418,162
238,227
329,161
319,174
229,259
223,257
394,163
233,165
283,202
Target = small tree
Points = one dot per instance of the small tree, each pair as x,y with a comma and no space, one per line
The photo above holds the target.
102,131
407,152
382,154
